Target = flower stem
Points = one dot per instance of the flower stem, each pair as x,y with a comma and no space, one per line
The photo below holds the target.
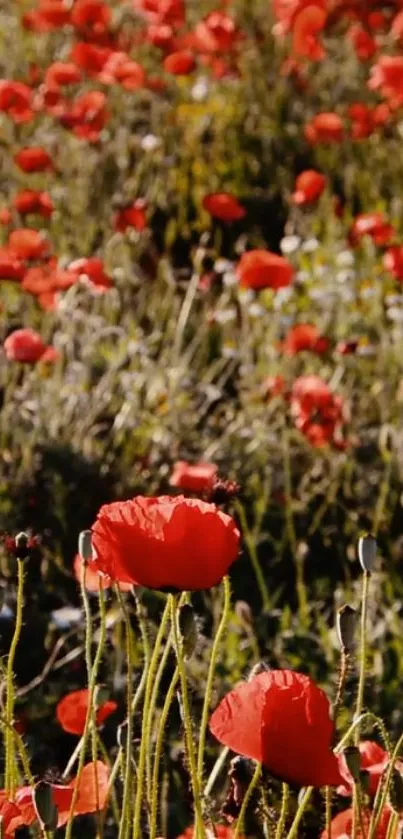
127,777
250,543
248,795
293,831
210,680
292,536
10,768
158,751
328,810
146,722
187,720
283,812
363,655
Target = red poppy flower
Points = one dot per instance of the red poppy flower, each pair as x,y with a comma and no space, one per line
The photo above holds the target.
93,270
387,76
162,11
396,28
87,116
273,386
347,347
342,826
91,16
393,261
304,336
61,73
180,63
11,268
216,33
373,225
263,269
93,578
26,243
309,186
366,120
374,760
317,412
223,206
26,346
33,159
31,201
134,216
197,477
90,57
325,128
221,831
281,719
177,543
16,100
306,27
50,14
71,711
92,796
363,42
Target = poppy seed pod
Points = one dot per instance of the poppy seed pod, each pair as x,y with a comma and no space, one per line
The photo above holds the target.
45,807
367,549
352,757
396,791
85,545
188,629
345,627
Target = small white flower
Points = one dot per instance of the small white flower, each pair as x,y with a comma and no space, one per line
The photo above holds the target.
289,244
200,90
150,142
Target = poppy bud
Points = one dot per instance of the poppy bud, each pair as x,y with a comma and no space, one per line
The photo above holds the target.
85,545
244,613
45,807
260,667
188,628
365,781
352,757
121,735
396,791
21,545
367,548
345,627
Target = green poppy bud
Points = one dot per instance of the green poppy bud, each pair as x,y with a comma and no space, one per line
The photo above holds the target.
45,806
345,626
367,549
85,545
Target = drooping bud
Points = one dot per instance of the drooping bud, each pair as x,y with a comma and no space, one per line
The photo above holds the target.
188,629
352,757
345,627
121,735
396,791
45,806
367,549
85,545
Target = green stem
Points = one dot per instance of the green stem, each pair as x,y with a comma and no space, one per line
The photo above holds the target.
292,536
379,806
293,831
216,770
92,685
187,721
392,826
245,803
10,771
158,751
146,722
128,764
210,679
250,543
283,812
363,654
328,810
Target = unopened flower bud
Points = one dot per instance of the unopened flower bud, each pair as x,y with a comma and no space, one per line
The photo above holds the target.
45,806
365,781
188,628
85,545
260,667
121,735
367,549
345,627
244,613
352,757
396,791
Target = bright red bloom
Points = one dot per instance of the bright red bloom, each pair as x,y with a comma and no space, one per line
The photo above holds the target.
177,543
325,128
317,412
396,28
306,27
304,336
11,268
16,100
374,760
33,159
223,206
387,76
263,269
31,201
162,11
26,346
121,69
87,116
50,14
93,579
281,719
221,831
133,216
286,12
309,186
93,269
273,386
347,347
180,63
71,711
393,261
91,16
92,796
366,120
216,33
197,477
90,57
342,826
61,73
373,225
363,42
28,244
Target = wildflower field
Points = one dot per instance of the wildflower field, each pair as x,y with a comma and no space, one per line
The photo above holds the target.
201,404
